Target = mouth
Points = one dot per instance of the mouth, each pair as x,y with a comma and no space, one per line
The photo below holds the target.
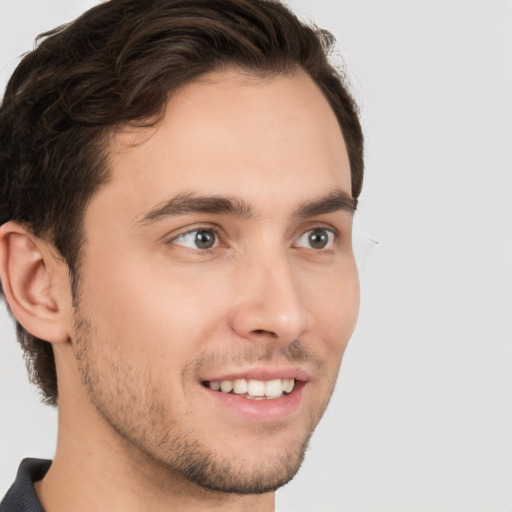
253,389
259,396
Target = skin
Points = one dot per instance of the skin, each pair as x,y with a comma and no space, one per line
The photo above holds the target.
156,316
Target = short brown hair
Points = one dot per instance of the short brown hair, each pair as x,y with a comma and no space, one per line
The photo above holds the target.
119,63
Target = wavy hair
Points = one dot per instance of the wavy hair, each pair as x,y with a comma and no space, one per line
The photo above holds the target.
118,64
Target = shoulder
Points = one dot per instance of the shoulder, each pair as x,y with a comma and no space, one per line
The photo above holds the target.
22,497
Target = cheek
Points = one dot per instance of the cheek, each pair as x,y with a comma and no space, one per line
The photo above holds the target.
334,294
336,311
163,310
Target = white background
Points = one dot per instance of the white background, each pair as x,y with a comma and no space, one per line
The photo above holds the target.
422,417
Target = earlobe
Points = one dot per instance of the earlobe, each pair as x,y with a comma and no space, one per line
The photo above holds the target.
31,282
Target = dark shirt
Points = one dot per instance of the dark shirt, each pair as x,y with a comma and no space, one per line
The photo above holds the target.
22,497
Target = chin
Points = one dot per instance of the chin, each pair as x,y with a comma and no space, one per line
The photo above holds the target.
255,472
241,477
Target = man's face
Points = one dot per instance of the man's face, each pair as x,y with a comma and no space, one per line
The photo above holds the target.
220,251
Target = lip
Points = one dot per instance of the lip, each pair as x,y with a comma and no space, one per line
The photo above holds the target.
265,374
259,411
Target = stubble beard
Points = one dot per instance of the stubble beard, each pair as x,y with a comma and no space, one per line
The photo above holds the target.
131,405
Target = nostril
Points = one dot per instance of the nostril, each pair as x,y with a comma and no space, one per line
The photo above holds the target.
263,332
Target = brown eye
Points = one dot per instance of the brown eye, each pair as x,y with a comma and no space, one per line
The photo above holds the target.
318,238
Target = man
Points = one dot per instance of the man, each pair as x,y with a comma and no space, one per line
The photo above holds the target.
179,179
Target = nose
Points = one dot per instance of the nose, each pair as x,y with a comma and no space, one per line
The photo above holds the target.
271,301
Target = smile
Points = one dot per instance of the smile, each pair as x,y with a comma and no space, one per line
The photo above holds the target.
253,389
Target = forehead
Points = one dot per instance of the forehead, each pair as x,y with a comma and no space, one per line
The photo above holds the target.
234,134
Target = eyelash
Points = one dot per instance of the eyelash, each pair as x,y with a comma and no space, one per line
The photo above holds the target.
213,229
219,236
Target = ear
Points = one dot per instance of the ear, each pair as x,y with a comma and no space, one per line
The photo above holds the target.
36,283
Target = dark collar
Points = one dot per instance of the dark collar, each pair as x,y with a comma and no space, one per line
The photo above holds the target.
22,497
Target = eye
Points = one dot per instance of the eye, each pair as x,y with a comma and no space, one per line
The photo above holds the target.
198,239
318,238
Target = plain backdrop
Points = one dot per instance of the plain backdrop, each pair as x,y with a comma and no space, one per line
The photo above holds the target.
422,416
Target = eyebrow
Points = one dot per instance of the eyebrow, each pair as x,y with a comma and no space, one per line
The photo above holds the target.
332,202
191,203
183,204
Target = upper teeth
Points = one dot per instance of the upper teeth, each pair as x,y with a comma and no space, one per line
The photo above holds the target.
254,388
